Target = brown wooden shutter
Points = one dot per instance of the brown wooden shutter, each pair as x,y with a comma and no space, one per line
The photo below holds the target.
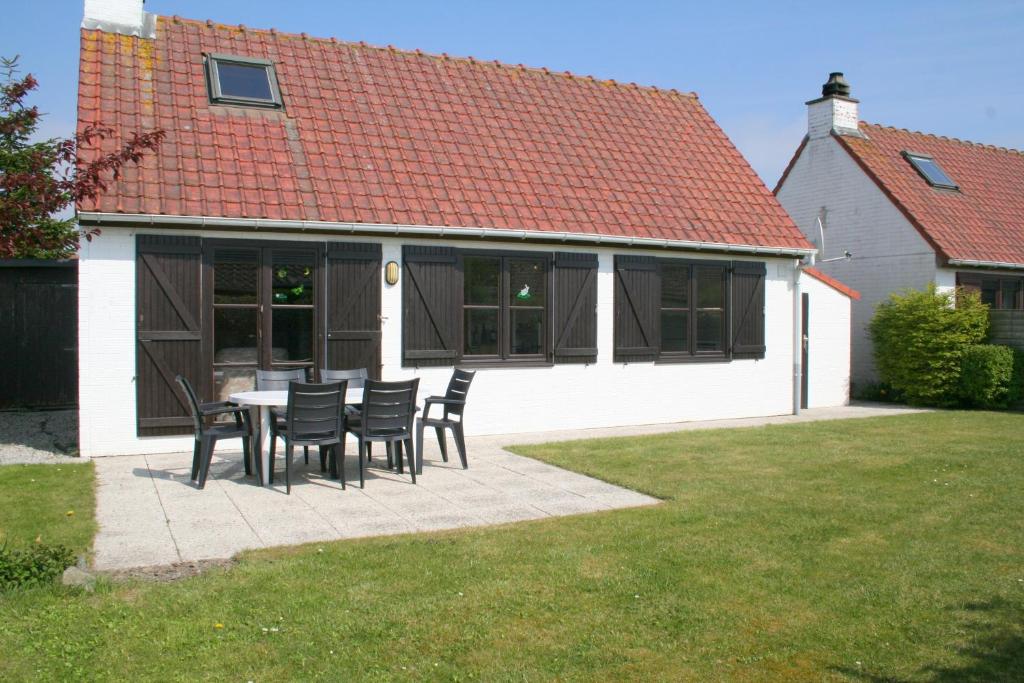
637,292
168,332
431,306
748,309
575,308
353,307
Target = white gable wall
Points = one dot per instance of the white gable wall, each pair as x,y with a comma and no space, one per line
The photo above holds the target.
503,400
888,252
829,344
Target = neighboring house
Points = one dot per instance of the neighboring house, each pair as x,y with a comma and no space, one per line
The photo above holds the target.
599,251
912,209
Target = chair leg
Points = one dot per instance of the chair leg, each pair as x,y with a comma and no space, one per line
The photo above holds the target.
411,455
206,456
289,450
247,455
323,460
369,451
419,446
273,453
460,443
398,457
443,441
391,455
362,451
338,460
305,457
197,457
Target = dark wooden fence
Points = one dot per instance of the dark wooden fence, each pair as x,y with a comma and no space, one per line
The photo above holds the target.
1007,327
38,334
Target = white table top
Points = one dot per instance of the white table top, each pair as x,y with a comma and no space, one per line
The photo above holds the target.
280,398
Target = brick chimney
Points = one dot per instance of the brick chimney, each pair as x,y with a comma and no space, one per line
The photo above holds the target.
834,111
119,16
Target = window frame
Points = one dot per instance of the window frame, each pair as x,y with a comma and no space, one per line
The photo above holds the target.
997,282
505,355
693,354
218,97
913,157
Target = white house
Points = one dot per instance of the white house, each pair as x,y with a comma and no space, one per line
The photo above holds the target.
599,251
912,209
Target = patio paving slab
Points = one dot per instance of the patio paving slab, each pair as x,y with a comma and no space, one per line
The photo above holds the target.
150,514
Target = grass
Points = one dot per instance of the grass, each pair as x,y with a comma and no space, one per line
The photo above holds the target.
876,550
52,503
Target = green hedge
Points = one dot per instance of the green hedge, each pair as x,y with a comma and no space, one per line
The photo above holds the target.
920,339
986,374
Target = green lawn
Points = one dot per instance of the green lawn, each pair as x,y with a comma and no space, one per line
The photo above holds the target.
53,503
881,549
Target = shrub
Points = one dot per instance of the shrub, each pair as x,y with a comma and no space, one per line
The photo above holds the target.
986,371
37,564
876,391
920,338
1016,394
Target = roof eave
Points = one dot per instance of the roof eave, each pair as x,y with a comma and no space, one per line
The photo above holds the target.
98,218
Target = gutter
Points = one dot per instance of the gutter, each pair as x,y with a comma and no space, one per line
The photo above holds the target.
95,218
984,264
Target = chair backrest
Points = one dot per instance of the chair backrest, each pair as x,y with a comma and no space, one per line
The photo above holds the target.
355,378
278,380
458,387
193,403
389,408
315,411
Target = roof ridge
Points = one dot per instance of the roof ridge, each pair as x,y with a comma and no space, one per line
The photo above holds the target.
972,143
444,56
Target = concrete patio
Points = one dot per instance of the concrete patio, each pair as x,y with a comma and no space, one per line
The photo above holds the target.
150,514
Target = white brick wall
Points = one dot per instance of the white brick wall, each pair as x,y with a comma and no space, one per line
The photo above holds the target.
829,348
503,400
888,252
832,113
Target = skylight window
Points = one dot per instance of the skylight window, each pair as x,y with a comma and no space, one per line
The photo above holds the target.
930,171
242,80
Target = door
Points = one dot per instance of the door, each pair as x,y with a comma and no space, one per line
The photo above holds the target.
805,339
263,301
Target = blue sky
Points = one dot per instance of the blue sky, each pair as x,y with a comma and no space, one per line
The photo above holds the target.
951,68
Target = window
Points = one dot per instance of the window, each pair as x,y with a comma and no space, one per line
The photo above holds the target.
497,307
999,292
504,307
930,170
692,309
675,310
242,80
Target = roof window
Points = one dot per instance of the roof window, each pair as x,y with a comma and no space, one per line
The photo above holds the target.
242,80
930,170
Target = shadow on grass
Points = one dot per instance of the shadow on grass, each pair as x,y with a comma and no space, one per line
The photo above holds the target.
993,649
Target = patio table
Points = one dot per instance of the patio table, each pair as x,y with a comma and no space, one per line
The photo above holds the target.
260,403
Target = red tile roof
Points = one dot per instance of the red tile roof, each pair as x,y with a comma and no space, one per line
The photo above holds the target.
378,135
983,221
833,283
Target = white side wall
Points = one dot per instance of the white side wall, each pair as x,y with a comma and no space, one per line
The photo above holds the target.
888,252
503,400
828,354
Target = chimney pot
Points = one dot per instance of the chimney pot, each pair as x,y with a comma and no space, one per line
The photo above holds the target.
836,85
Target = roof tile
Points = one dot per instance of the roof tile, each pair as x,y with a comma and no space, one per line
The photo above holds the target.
982,221
379,135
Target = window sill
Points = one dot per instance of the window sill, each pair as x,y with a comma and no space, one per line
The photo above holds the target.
693,359
504,364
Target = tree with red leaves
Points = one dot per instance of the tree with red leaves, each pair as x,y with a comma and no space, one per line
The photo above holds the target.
39,180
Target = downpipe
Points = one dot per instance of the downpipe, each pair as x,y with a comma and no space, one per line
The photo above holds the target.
797,338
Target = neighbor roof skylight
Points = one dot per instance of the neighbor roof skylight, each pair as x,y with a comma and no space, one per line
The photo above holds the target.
242,80
930,170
